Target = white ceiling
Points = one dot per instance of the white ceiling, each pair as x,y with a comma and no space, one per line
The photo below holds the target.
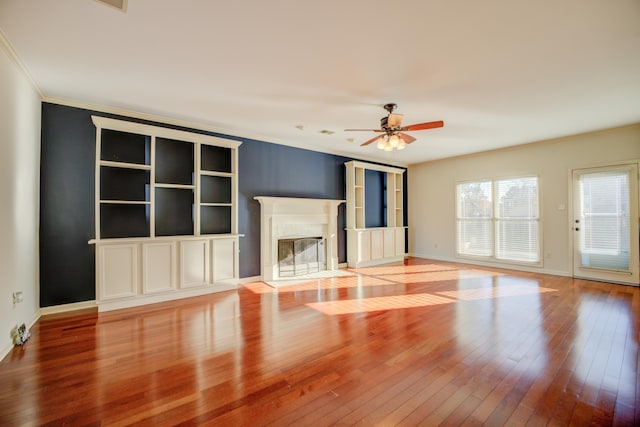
498,72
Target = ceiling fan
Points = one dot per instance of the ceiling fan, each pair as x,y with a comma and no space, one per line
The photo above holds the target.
393,133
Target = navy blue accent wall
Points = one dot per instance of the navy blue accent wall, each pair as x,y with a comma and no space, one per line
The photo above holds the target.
67,180
67,164
281,171
375,198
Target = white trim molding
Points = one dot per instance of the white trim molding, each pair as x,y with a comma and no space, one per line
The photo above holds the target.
63,308
11,52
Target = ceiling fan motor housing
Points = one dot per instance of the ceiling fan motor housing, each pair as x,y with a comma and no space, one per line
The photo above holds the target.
384,122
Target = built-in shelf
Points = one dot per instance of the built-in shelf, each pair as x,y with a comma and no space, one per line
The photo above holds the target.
166,213
368,246
123,202
124,165
212,173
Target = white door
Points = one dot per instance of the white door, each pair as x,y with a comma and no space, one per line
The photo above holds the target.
605,224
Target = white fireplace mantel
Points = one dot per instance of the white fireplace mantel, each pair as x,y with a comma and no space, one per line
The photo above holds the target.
290,217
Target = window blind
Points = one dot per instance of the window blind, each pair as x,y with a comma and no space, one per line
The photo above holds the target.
499,219
475,212
604,207
517,219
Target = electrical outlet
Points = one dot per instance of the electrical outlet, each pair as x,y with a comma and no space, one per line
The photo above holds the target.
18,297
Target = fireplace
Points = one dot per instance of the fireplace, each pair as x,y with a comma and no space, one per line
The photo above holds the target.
297,257
296,219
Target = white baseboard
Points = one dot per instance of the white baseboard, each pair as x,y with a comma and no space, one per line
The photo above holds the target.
63,308
524,268
129,302
245,280
6,349
9,344
379,261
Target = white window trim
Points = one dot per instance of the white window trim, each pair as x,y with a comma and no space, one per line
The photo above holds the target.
493,258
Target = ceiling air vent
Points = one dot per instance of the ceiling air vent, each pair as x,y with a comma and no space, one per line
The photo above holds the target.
118,4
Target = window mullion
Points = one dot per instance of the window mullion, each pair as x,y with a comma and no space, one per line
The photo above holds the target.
494,216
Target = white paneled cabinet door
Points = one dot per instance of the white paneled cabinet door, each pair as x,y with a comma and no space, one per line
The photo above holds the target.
376,244
158,267
389,242
364,246
194,263
118,271
224,259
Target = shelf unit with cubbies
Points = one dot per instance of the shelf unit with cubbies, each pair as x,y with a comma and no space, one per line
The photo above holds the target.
166,213
367,246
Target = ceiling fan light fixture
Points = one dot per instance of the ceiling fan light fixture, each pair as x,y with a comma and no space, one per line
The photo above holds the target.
381,143
401,145
394,140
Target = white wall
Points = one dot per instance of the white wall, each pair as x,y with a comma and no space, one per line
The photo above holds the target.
20,109
431,189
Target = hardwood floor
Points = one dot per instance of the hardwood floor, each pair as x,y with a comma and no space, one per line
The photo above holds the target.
425,343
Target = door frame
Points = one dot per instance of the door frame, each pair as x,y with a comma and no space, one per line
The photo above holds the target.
634,278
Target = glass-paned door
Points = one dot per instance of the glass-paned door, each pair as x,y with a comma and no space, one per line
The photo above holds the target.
605,223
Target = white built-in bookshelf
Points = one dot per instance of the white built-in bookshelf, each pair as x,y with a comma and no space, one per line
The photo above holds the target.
165,213
367,246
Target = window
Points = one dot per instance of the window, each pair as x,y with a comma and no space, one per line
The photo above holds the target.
499,219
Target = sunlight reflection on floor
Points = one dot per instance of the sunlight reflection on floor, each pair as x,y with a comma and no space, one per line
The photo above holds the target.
421,300
400,268
378,303
401,274
440,276
494,292
319,284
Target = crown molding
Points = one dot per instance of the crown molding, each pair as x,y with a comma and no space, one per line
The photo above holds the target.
13,55
206,128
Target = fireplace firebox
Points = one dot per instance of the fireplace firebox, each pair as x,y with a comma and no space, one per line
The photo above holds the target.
297,257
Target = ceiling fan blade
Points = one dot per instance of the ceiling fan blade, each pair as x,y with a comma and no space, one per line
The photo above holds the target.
408,139
369,141
364,130
394,120
423,126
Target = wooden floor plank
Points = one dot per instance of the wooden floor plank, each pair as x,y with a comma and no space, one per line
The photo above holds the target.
416,343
